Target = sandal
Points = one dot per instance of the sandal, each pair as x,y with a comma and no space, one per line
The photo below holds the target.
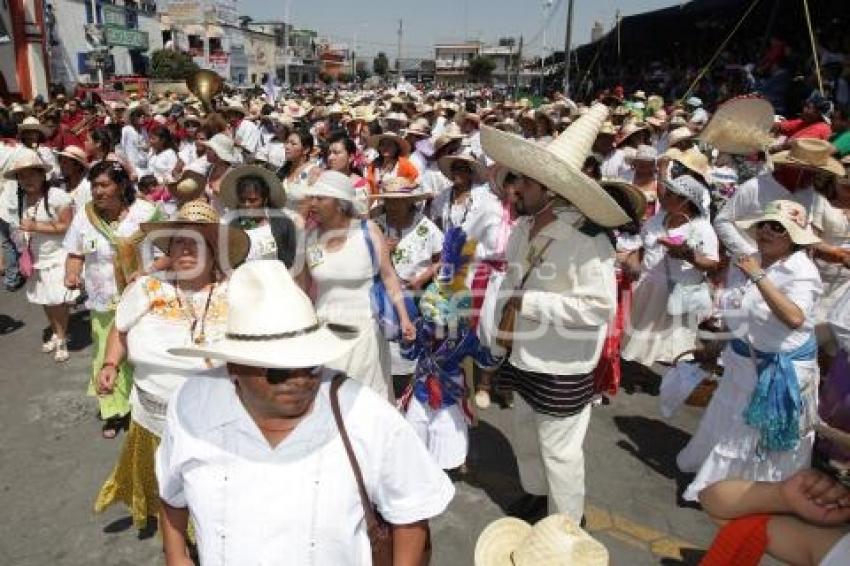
114,425
61,354
51,344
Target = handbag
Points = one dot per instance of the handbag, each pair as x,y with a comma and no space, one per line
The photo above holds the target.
382,305
378,529
26,263
507,324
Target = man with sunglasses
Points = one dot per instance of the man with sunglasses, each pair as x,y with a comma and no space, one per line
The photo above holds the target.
265,458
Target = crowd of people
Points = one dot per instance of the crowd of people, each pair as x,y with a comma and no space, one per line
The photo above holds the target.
261,274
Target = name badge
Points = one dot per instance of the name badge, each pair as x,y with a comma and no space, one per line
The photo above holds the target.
267,246
89,246
314,256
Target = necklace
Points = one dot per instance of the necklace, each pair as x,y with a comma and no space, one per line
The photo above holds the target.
188,308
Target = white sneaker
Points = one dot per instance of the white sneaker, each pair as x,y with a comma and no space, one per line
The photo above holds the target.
61,354
50,345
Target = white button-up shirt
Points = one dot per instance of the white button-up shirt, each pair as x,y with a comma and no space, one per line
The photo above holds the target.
567,303
247,136
296,503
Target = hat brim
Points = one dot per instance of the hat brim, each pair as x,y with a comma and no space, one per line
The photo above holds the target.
404,146
315,348
537,162
43,130
832,165
636,197
798,235
479,173
499,540
228,196
13,173
238,242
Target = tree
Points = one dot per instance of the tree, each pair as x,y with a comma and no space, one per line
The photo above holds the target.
381,64
172,65
481,68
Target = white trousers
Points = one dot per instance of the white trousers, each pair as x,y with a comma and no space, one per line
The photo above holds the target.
443,431
550,456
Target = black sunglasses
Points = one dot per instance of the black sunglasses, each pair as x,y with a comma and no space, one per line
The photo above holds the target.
279,375
772,226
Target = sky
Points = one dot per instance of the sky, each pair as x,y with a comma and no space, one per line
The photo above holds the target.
375,22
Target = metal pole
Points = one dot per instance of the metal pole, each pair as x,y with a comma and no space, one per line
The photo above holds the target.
100,62
398,55
286,26
568,40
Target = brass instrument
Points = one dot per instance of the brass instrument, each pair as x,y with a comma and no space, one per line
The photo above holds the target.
84,124
205,84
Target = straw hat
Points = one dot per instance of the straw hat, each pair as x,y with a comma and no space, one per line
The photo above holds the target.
680,134
223,146
234,106
419,128
188,187
479,174
626,194
693,159
31,124
396,188
553,541
27,159
272,323
630,129
228,194
161,107
199,216
740,126
812,154
558,166
75,153
792,216
645,153
404,147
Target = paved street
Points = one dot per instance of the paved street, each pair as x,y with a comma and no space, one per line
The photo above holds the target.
54,461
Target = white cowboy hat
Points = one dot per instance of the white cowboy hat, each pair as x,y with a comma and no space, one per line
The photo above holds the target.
272,323
27,159
223,146
31,124
558,166
553,541
790,214
229,197
740,126
678,135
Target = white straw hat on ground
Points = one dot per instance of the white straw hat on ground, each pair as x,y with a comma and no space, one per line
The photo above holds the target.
553,541
558,166
272,323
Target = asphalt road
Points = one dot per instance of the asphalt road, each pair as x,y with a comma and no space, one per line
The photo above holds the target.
54,461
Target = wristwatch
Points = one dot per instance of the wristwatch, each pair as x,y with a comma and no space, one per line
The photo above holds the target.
756,277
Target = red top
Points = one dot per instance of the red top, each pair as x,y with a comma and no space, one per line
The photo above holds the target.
796,129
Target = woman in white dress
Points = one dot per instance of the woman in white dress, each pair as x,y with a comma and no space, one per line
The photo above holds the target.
671,297
414,243
162,156
155,314
758,425
296,170
104,237
254,199
338,260
44,214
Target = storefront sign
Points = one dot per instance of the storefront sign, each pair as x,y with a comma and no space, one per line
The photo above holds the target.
114,16
132,38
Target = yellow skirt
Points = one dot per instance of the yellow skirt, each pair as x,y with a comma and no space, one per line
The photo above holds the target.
133,480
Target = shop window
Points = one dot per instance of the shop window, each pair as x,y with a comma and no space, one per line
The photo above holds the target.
216,45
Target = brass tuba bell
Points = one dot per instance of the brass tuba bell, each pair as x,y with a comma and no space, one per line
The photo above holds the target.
205,84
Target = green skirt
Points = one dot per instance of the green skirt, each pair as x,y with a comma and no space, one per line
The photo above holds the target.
117,403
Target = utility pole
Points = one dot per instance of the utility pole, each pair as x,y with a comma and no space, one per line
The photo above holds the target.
567,43
518,67
398,53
